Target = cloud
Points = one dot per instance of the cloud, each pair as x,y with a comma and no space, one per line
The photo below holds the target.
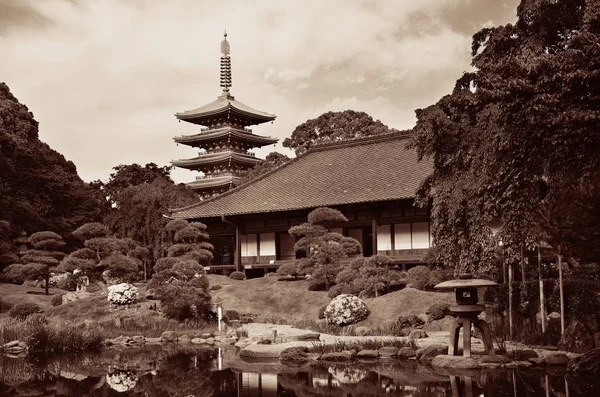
104,77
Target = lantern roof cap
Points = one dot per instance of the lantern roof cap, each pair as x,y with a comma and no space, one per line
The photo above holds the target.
465,283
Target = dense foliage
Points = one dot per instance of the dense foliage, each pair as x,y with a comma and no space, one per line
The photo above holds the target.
41,261
334,126
324,249
368,277
39,188
514,135
272,161
138,211
22,310
179,280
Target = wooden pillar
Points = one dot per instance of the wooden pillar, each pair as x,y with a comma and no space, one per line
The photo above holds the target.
562,294
510,300
542,298
238,248
374,233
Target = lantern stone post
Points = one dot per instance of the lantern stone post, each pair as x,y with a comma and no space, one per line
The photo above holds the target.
465,312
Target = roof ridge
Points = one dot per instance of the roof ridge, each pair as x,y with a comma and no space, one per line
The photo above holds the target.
316,148
396,134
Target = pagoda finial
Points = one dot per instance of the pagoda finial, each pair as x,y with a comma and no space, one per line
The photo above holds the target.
225,64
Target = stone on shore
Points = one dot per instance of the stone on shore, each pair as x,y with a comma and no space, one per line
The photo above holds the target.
417,334
496,359
407,352
577,338
168,336
536,360
556,359
588,363
522,355
429,352
367,354
198,341
456,362
388,351
344,355
309,336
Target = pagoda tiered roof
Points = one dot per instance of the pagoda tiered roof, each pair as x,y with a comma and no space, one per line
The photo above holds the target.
216,134
213,182
227,108
210,159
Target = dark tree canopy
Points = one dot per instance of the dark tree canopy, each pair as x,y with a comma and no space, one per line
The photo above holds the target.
272,161
334,126
39,188
140,209
516,131
129,175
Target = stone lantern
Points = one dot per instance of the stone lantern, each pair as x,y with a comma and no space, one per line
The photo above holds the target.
465,312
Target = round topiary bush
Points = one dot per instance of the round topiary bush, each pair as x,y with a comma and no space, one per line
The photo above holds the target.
410,321
122,294
419,277
56,300
237,276
437,311
23,310
346,310
340,289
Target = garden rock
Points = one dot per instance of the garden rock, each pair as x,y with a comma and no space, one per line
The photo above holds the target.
345,310
69,297
417,334
184,339
588,363
345,355
556,359
294,356
456,362
11,344
536,360
311,336
577,338
388,351
522,355
198,341
153,341
362,331
497,359
367,354
429,352
439,325
210,341
407,352
168,336
206,335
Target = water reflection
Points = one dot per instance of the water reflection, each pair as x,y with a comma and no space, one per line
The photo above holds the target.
159,371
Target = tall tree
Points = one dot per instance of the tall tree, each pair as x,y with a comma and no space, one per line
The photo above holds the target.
324,249
40,261
513,131
139,212
39,188
334,126
130,175
272,161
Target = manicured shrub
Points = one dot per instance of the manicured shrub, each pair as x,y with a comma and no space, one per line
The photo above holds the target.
122,294
23,310
184,300
437,311
340,289
68,283
410,321
317,285
237,276
231,315
346,310
56,300
288,269
419,277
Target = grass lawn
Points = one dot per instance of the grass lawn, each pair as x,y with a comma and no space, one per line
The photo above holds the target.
11,294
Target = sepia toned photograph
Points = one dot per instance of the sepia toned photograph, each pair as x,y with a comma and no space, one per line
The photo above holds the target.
299,198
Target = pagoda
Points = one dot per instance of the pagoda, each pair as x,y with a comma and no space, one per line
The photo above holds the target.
224,138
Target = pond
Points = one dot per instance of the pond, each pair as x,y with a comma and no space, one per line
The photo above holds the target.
158,372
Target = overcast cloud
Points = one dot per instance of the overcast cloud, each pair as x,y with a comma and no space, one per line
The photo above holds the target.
105,77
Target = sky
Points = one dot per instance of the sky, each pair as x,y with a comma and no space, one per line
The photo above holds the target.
104,78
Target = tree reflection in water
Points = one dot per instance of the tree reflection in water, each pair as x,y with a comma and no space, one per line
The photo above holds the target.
156,372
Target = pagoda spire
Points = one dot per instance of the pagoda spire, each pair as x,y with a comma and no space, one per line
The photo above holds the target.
225,64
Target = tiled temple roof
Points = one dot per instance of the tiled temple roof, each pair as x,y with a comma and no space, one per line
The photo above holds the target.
372,169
